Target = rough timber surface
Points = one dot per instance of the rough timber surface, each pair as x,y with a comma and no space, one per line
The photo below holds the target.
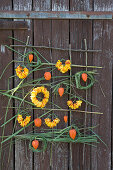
60,38
103,38
23,156
5,58
42,36
60,33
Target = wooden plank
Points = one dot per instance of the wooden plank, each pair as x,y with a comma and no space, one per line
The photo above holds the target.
56,14
13,25
42,36
5,57
23,156
60,39
81,30
87,34
102,39
83,6
103,5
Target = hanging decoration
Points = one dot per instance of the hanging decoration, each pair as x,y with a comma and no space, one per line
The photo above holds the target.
22,72
34,96
63,85
63,68
23,122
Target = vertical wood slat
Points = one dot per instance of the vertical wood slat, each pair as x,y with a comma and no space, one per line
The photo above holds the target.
102,39
60,38
85,5
75,41
103,5
101,29
42,36
98,32
42,160
80,30
87,34
23,156
5,57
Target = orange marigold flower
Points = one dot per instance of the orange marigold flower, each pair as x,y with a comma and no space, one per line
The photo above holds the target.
50,123
22,72
34,98
74,105
23,122
63,68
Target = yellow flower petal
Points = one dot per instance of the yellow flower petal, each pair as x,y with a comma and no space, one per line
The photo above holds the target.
35,100
22,72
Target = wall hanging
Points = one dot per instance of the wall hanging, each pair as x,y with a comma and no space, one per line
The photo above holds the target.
39,95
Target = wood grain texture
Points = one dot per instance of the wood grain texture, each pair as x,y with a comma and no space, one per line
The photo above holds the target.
80,30
103,5
78,5
23,156
87,34
58,5
60,38
77,58
42,36
5,58
13,25
102,39
59,33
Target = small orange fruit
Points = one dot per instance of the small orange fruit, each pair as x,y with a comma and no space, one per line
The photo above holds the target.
65,119
30,57
61,91
38,122
72,133
47,75
84,77
35,144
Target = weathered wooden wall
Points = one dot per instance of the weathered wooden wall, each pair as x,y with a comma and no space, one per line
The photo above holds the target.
61,33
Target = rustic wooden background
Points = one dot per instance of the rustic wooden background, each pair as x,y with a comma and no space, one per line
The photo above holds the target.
61,33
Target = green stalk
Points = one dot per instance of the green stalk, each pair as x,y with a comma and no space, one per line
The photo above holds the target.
14,134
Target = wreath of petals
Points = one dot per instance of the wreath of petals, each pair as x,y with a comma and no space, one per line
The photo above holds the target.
35,100
50,123
63,68
23,122
22,72
74,105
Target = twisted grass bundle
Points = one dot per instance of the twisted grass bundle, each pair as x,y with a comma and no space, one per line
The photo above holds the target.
90,75
30,56
60,135
61,86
